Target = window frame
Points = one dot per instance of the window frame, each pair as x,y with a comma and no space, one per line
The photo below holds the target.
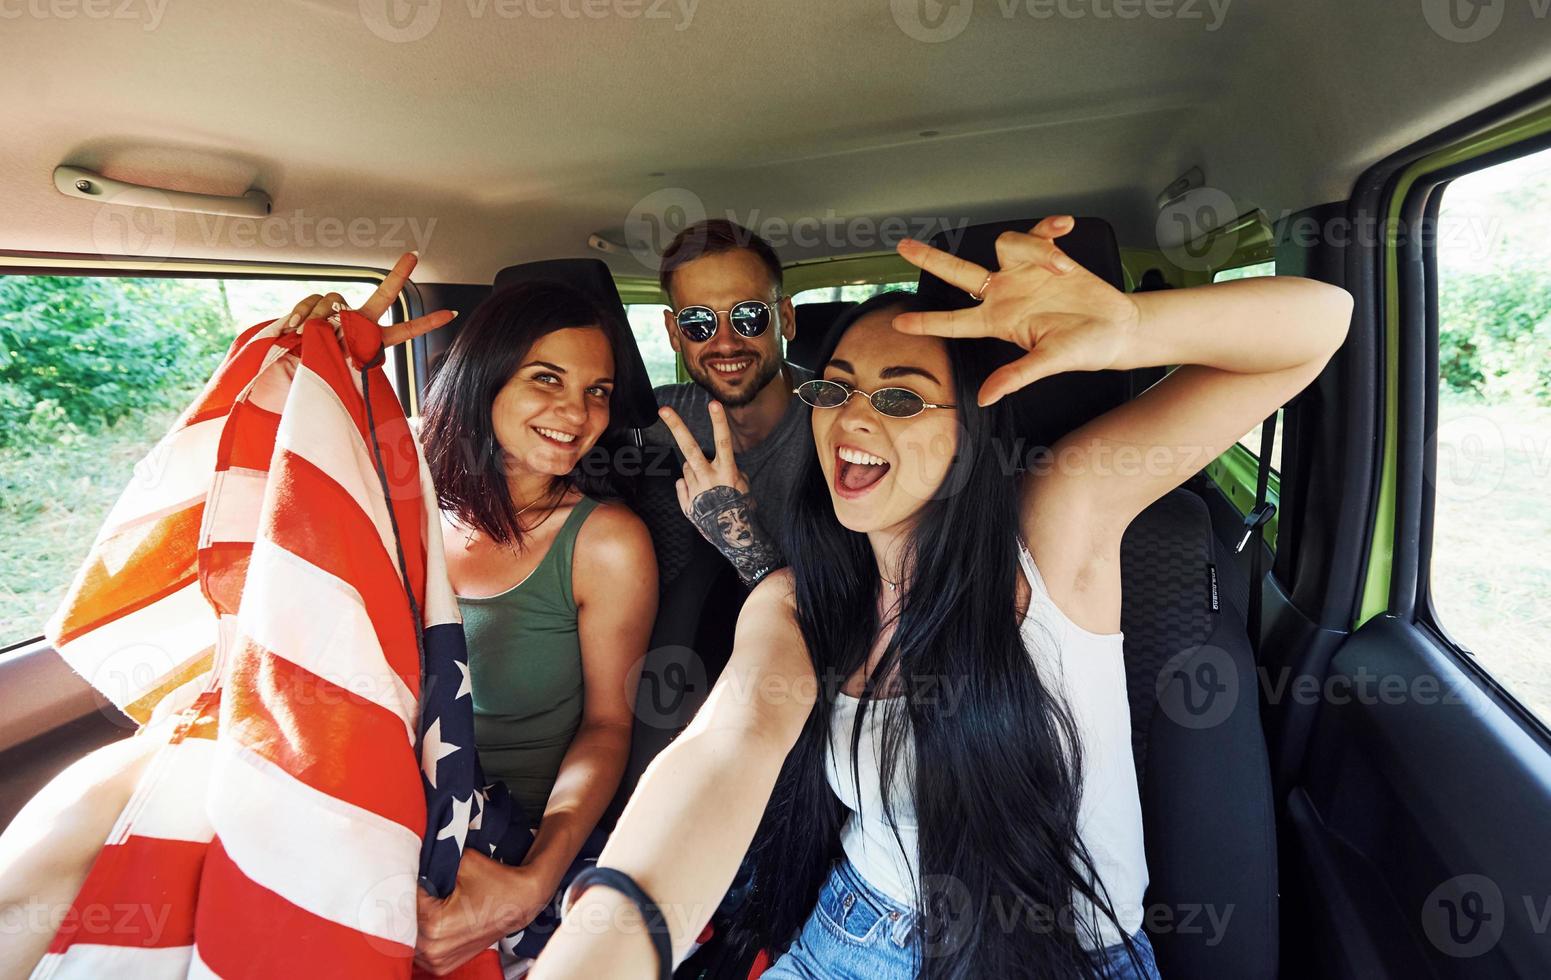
1414,339
21,263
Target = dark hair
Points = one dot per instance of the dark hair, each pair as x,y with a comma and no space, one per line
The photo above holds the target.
458,435
996,785
712,237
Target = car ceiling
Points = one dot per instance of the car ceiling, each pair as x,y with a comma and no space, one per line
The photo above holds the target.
489,133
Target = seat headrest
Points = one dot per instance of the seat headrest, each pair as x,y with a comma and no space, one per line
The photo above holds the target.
1051,407
813,322
592,276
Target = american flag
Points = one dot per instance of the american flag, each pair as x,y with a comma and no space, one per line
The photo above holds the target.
252,600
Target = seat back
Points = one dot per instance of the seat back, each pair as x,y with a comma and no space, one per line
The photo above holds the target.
813,322
1200,754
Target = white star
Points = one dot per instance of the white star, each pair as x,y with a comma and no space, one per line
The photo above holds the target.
458,824
434,750
479,818
463,685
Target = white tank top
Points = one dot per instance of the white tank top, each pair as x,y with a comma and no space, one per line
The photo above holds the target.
1088,670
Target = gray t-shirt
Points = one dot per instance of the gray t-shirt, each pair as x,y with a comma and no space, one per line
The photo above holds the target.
771,467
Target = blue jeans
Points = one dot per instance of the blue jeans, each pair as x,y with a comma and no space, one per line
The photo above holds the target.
857,933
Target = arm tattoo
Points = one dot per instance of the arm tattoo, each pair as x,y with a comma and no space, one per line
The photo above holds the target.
725,517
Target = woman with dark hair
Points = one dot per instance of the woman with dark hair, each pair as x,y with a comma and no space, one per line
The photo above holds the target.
557,587
923,729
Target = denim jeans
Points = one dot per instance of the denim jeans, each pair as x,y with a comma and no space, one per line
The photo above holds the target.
856,933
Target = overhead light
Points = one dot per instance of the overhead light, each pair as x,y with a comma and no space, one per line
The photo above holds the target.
84,184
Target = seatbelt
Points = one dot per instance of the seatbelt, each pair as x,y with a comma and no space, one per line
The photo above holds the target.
1256,519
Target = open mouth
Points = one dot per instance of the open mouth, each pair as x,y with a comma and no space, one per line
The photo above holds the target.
555,436
857,472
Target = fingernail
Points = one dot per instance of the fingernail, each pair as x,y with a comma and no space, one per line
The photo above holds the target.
293,321
335,307
454,316
1065,263
908,241
415,252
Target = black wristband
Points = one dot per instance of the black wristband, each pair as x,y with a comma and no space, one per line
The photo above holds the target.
651,915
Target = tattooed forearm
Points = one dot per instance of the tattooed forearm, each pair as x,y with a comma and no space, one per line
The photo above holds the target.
725,517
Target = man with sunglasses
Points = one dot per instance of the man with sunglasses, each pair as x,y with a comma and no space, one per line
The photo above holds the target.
742,432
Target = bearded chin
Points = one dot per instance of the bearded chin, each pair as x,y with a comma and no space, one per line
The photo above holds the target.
769,367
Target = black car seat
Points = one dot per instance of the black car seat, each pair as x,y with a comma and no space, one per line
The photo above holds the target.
1201,758
698,607
813,323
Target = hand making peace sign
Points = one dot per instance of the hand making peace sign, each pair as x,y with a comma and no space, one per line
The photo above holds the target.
701,474
321,307
1067,318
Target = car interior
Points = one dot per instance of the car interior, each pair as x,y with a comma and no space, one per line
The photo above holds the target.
1293,828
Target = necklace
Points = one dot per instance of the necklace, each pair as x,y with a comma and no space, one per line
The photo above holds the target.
468,539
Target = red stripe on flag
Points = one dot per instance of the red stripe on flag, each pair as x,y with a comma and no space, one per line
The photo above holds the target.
245,930
139,893
294,718
248,439
331,532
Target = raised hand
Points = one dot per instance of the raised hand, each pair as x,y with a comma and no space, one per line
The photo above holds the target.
323,306
1067,318
714,495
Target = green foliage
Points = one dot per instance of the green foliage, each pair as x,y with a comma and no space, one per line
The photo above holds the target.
78,354
1495,333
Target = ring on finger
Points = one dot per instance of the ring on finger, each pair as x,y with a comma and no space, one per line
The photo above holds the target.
979,295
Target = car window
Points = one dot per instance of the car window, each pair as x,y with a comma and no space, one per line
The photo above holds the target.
852,293
647,325
93,371
1491,553
1251,439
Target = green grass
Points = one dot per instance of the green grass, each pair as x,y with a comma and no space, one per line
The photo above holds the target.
1491,570
53,499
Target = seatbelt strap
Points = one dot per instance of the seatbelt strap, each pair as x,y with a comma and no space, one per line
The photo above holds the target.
1256,519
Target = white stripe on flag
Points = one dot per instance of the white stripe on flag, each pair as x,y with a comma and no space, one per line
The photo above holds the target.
333,859
336,449
90,961
127,657
299,612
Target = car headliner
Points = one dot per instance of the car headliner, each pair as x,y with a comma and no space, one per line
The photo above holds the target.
503,135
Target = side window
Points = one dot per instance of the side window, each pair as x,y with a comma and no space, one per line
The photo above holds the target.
93,371
850,294
652,339
1251,439
1491,549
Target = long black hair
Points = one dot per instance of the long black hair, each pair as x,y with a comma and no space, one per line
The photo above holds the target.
461,450
996,780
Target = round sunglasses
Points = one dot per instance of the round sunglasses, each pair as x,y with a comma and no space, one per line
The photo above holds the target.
896,403
699,323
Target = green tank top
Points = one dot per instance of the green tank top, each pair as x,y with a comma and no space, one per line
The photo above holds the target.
525,667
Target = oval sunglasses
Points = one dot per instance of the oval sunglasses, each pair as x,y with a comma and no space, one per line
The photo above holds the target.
895,403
